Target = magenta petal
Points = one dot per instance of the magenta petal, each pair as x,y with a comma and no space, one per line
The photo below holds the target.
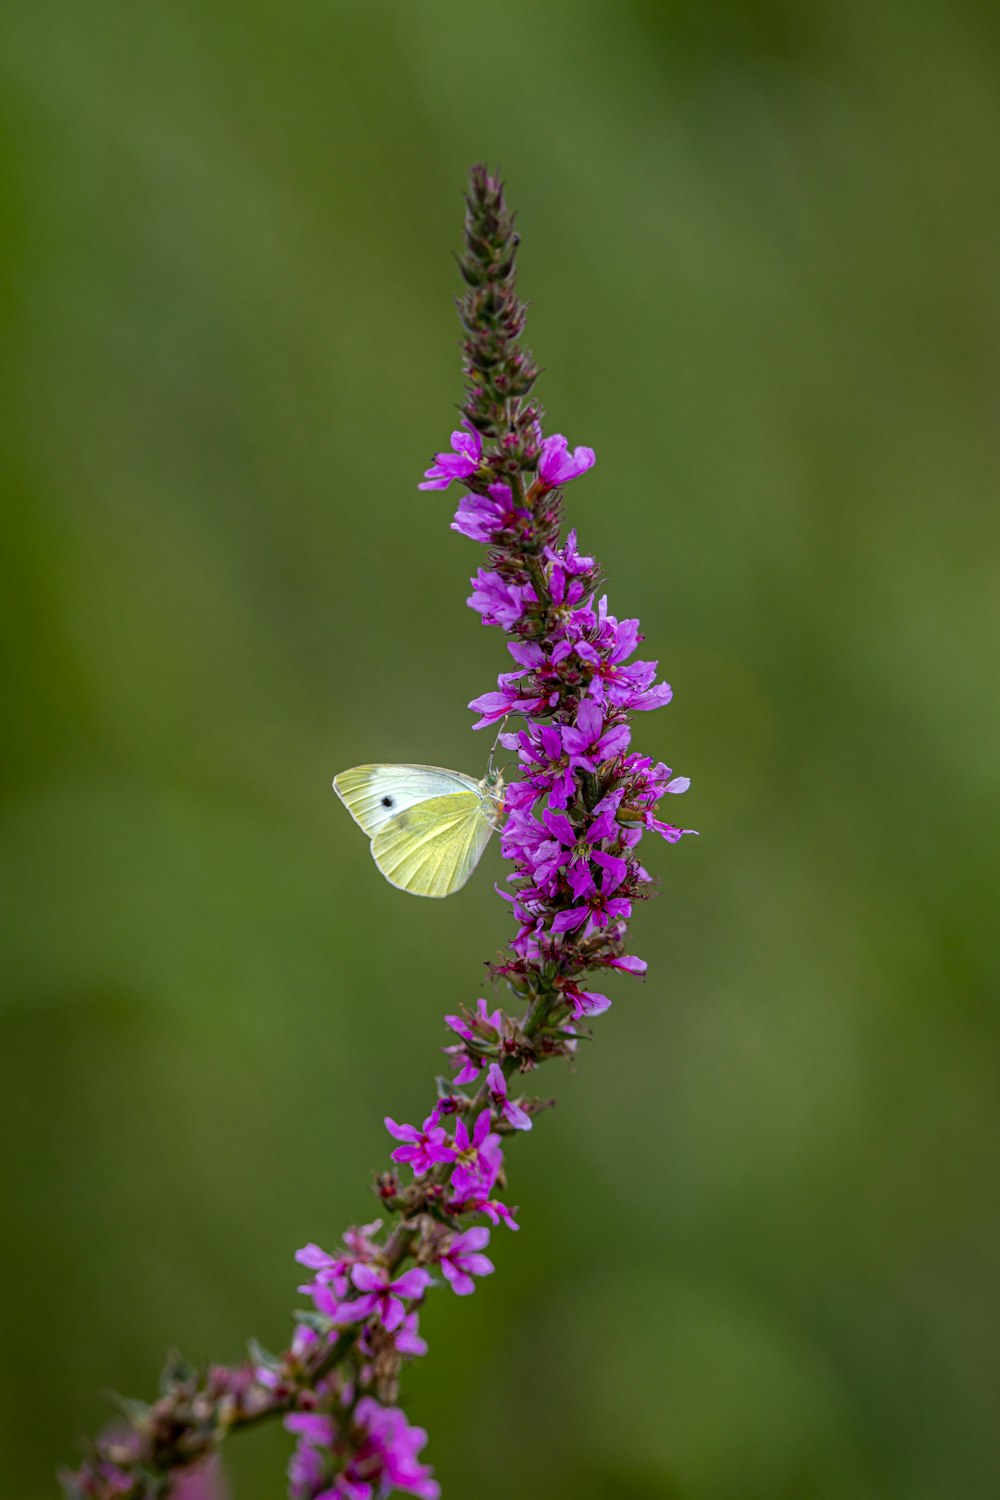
592,1004
589,719
629,963
491,703
368,1278
616,869
565,921
311,1255
361,1307
495,1081
657,697
561,826
476,1238
517,1117
393,1313
526,653
580,880
412,1283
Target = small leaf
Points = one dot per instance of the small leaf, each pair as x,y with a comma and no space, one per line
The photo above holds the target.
176,1371
261,1356
136,1411
314,1320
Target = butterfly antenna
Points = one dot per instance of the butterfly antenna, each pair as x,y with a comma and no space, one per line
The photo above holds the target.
491,768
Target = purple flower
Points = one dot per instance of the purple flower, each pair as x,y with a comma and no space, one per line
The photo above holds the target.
479,1158
585,1003
333,1271
318,1429
383,1456
478,1031
307,1467
494,1210
494,706
598,907
387,1459
381,1295
496,1083
425,1147
558,466
629,963
462,1260
460,463
498,601
591,741
408,1339
569,573
578,843
479,1025
482,518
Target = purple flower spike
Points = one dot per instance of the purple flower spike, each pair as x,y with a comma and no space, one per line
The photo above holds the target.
576,805
461,1261
558,466
460,463
512,1113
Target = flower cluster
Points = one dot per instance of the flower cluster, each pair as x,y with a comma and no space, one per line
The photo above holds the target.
573,820
575,817
364,1451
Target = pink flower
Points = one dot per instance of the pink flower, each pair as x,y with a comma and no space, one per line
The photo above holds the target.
381,1295
387,1460
558,466
494,1210
477,1031
479,1158
408,1339
591,741
496,1083
483,517
383,1457
597,908
629,964
425,1147
202,1482
499,602
584,1002
461,1261
460,463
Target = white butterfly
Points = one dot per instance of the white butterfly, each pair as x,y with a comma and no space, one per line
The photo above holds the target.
428,826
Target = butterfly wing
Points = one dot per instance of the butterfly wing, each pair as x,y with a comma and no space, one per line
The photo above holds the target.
374,795
431,848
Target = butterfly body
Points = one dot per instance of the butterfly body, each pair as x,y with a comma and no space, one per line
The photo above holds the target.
428,826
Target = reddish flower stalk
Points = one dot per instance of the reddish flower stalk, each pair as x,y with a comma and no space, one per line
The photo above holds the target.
573,822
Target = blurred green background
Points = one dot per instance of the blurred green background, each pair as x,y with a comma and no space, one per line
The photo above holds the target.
760,1232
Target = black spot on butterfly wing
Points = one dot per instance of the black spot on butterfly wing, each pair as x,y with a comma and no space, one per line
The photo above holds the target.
388,802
